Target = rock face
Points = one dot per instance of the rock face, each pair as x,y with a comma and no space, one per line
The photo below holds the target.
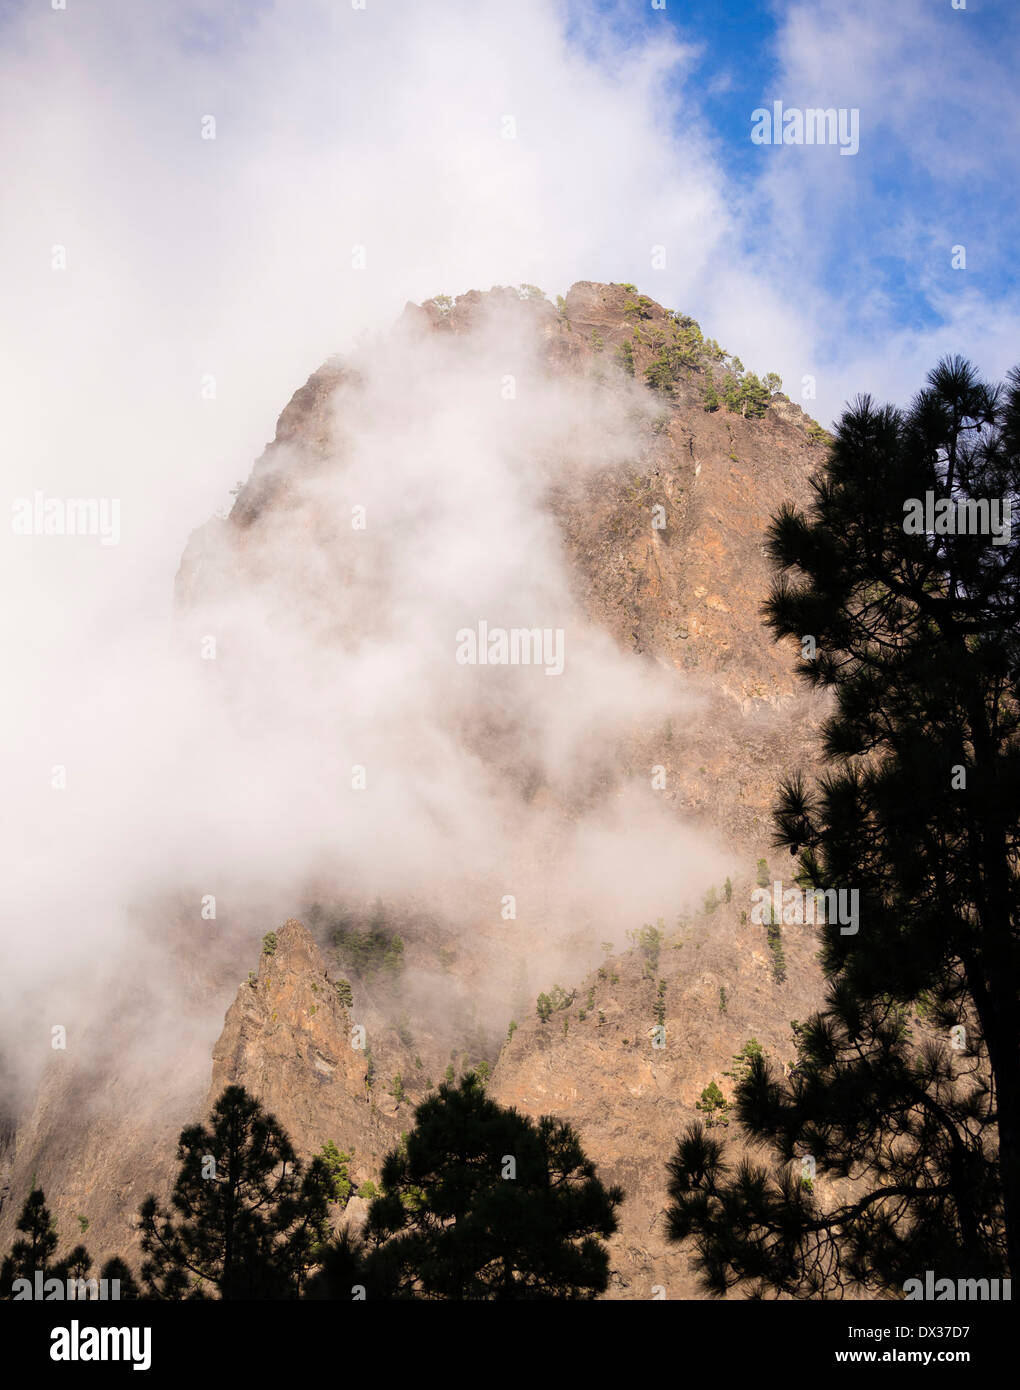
289,1040
599,1065
683,597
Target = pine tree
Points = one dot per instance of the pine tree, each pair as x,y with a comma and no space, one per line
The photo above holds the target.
244,1220
340,1275
483,1203
774,936
34,1251
907,1082
754,396
115,1268
336,1164
37,1246
714,1105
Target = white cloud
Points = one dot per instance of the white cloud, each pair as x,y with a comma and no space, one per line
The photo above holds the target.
232,258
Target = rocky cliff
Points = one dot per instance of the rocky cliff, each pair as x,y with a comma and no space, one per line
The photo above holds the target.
662,546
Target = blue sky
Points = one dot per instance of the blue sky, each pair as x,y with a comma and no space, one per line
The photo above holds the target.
938,164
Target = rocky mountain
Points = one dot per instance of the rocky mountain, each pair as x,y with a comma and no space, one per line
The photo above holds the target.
661,546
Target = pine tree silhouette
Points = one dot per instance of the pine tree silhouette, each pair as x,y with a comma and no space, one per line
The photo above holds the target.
484,1203
245,1220
115,1268
907,1083
35,1250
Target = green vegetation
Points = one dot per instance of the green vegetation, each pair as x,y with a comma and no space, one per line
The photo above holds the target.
336,1163
754,396
344,993
640,308
743,1060
681,348
660,1003
763,877
553,1002
774,937
269,944
683,351
714,1105
742,392
370,950
649,943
